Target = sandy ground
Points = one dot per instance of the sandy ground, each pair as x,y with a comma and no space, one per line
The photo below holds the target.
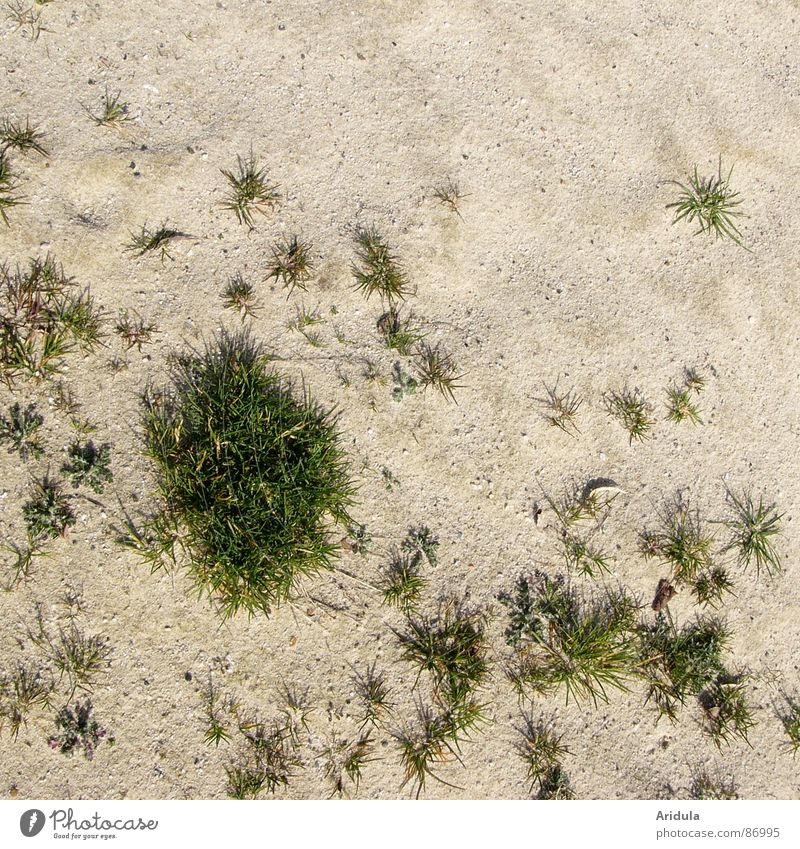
562,123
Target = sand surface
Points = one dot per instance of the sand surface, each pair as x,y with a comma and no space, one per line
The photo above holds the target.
562,125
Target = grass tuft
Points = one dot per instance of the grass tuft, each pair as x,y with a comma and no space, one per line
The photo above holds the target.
240,295
561,408
113,112
711,202
47,513
541,752
256,476
249,190
754,528
630,408
20,431
22,138
436,367
155,239
291,264
377,269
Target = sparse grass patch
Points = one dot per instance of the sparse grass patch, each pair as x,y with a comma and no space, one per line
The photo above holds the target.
728,714
790,719
711,202
541,752
754,528
681,663
8,185
21,431
377,269
374,694
562,639
452,647
47,513
249,190
632,410
256,477
22,689
41,321
291,264
561,408
403,584
714,787
682,542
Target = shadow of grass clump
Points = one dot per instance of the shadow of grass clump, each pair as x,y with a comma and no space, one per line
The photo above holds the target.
253,476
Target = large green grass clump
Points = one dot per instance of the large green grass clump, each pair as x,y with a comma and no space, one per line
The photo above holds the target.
252,474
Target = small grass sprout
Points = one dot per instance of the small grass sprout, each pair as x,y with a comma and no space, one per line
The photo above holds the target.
561,408
88,464
249,190
754,528
374,694
581,556
77,730
436,367
134,330
21,431
449,195
399,334
377,269
27,19
630,408
291,264
8,185
240,295
680,407
403,584
706,786
154,239
113,111
711,202
48,513
711,586
403,383
22,138
790,719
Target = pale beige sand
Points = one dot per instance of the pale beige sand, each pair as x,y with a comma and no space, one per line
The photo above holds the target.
563,123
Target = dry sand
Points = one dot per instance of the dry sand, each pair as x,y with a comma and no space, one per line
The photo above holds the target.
563,124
